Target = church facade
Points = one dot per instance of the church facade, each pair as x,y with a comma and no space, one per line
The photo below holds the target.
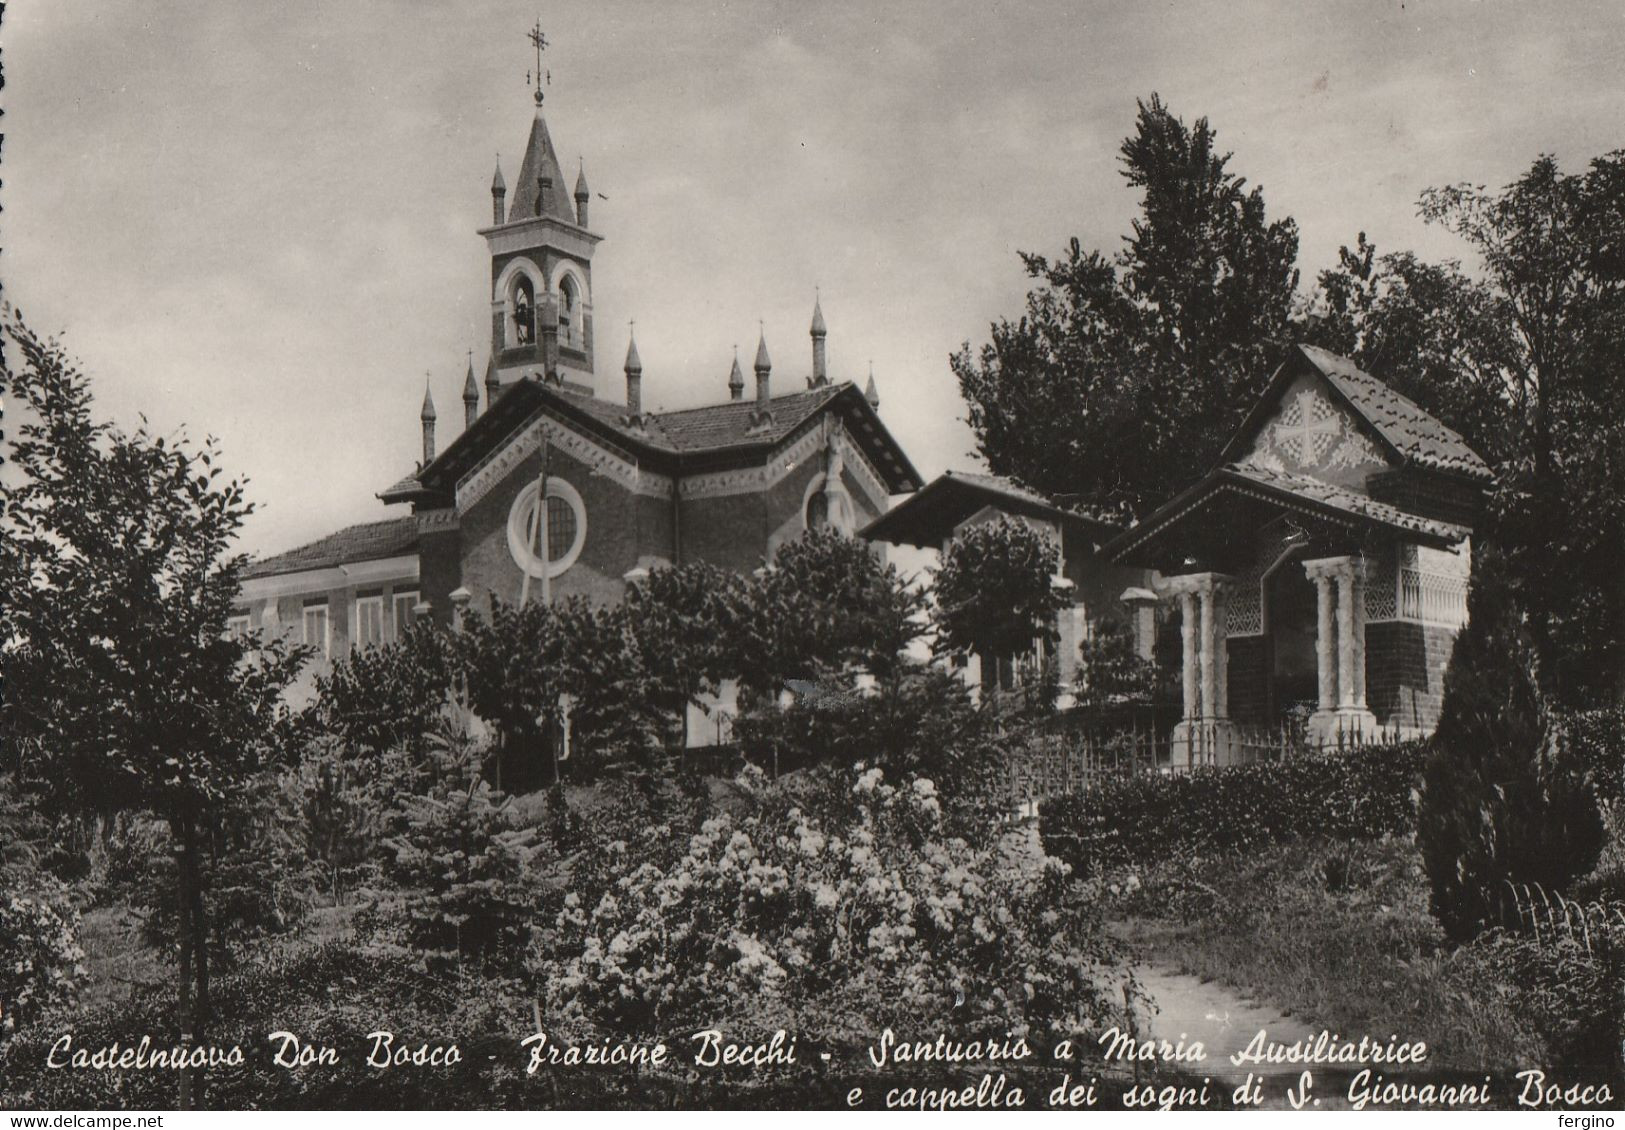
553,488
1321,569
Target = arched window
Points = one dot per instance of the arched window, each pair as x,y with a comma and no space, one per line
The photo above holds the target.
569,312
524,312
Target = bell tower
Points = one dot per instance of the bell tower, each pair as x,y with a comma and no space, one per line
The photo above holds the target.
541,263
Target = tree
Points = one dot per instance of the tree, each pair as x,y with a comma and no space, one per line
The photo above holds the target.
377,699
1112,672
1504,798
122,682
1526,357
1127,373
533,669
996,592
824,605
687,621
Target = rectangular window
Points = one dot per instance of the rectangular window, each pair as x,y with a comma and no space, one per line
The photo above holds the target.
316,628
369,621
237,626
405,616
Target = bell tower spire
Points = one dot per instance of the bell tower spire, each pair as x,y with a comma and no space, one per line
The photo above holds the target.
541,261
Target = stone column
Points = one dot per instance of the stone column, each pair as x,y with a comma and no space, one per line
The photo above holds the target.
1209,675
1325,641
1188,638
1357,596
1341,713
1142,606
1206,733
1345,640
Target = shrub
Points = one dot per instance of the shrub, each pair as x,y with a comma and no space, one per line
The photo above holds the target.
840,922
1504,797
39,950
1141,817
1569,995
1111,672
1598,737
461,891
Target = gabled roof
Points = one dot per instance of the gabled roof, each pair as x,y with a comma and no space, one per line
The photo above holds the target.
369,541
1408,431
712,437
1294,492
540,157
930,516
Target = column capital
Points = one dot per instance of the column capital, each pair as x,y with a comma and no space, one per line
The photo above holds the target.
1193,583
1348,566
1138,597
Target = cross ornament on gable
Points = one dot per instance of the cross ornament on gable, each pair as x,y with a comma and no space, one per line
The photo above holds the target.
1312,435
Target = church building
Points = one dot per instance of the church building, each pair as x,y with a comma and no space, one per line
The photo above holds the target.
623,489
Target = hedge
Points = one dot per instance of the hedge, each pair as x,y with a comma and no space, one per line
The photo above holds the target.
1144,817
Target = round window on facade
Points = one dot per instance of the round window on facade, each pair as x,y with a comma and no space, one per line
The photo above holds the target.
556,545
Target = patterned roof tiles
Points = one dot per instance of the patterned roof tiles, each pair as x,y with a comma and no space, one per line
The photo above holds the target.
1348,501
1414,433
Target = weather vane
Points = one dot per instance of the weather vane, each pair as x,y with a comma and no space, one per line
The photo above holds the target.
539,41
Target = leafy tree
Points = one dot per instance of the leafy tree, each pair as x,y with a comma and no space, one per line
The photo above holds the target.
996,591
1525,356
388,697
1504,798
1432,332
687,621
532,669
824,605
1128,372
122,682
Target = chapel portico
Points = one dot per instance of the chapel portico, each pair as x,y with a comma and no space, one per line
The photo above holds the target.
1319,573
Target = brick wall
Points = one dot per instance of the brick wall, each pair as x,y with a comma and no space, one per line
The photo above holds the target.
440,570
1405,665
616,535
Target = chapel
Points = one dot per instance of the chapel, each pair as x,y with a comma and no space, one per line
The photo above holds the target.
1321,568
560,481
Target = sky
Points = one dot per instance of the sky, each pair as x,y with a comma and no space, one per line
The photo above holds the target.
259,220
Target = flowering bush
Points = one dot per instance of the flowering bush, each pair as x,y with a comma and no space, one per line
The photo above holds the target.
1146,816
39,954
840,921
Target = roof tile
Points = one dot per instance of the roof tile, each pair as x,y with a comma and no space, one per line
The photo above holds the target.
368,541
1417,436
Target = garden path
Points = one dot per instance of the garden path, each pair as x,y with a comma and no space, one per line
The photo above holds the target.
1188,1008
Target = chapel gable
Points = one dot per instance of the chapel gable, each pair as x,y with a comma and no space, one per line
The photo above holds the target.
1312,433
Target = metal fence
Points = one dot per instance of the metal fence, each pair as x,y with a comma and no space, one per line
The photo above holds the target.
1551,917
1069,755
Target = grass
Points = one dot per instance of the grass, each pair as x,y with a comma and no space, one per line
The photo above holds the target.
1338,935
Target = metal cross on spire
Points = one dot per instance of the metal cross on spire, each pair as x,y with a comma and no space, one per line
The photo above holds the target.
539,41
